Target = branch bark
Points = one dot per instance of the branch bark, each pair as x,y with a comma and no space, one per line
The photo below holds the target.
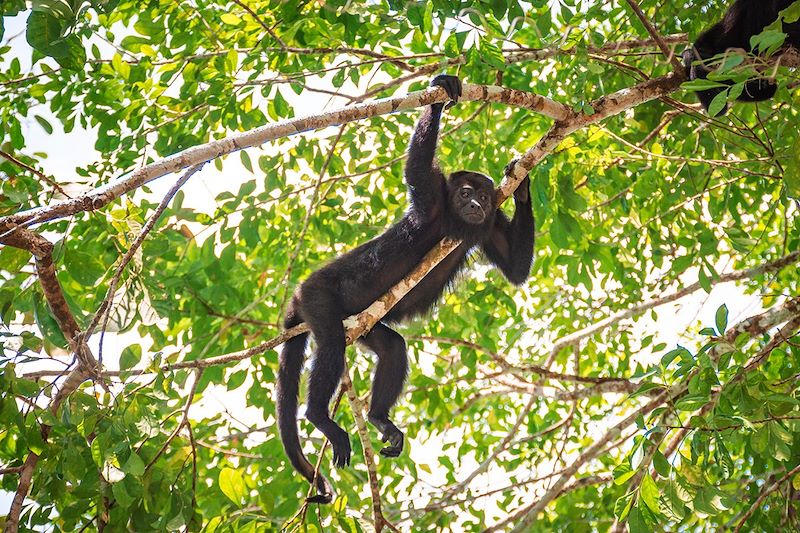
99,197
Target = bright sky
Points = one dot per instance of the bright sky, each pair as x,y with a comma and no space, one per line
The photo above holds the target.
68,151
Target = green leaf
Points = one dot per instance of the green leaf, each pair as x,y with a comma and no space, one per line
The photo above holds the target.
636,522
722,456
121,495
46,126
46,323
691,402
231,483
648,492
721,318
623,506
451,47
246,163
120,66
661,464
703,84
130,357
672,354
709,501
767,41
84,268
281,105
717,104
491,54
623,473
43,31
134,465
230,19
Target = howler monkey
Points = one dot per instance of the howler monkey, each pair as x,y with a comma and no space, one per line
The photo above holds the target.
743,19
461,206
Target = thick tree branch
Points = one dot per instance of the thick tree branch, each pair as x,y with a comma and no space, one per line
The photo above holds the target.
97,198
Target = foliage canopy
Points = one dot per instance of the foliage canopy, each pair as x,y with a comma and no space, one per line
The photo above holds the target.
576,378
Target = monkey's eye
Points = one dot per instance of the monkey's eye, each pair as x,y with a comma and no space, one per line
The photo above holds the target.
464,193
484,197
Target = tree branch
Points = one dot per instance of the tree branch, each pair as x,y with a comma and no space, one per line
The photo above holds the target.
754,326
764,493
676,65
574,338
97,198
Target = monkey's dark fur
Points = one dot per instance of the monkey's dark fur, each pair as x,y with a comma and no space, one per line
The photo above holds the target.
462,207
743,19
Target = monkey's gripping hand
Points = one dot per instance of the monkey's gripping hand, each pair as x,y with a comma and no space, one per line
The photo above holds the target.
451,85
521,194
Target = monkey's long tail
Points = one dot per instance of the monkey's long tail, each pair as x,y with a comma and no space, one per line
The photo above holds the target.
290,367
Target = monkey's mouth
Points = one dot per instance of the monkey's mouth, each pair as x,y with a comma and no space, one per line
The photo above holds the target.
474,217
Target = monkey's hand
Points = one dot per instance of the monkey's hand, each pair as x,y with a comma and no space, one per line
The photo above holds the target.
521,194
451,85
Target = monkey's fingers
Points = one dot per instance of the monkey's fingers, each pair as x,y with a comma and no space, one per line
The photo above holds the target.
395,440
341,453
391,451
510,167
454,91
340,460
451,85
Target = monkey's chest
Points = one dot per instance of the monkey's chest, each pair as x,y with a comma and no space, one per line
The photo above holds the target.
428,291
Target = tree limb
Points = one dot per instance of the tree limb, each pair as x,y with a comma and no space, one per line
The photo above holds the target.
754,326
97,198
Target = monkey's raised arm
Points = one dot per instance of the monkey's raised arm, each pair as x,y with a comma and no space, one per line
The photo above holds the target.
510,244
423,177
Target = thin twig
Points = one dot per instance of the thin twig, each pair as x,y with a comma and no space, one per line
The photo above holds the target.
32,170
676,65
764,493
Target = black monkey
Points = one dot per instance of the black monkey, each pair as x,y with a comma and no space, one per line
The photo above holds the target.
462,207
743,19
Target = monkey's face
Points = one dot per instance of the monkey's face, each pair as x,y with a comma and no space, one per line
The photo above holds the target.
471,197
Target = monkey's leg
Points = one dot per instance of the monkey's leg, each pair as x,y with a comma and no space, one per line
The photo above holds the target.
322,315
390,374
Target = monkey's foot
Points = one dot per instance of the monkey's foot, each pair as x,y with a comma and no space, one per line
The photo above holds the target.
339,439
390,434
341,449
510,166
